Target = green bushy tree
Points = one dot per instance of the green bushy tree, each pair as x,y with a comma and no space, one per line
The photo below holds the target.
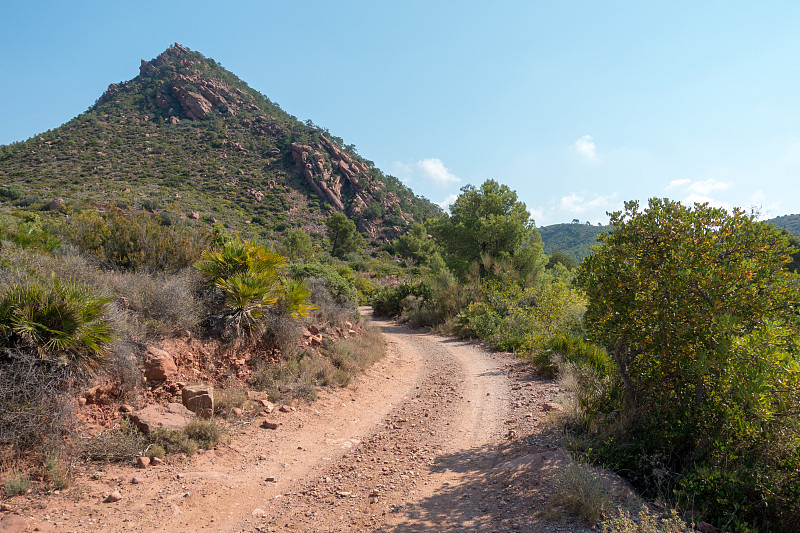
489,225
343,235
691,303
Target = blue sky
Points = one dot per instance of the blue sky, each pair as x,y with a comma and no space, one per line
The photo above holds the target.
576,105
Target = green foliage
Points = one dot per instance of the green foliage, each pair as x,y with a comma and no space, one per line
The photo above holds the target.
251,279
206,433
511,318
343,235
572,240
16,483
136,241
645,522
701,318
562,259
59,321
574,349
794,241
298,245
489,225
28,232
342,290
387,301
415,246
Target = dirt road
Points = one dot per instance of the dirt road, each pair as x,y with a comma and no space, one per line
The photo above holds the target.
441,435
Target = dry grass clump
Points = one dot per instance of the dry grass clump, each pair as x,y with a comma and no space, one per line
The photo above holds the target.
231,396
580,491
16,482
337,363
646,522
121,443
36,406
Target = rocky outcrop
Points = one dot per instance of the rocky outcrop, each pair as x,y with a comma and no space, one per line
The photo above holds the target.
194,105
158,365
199,399
172,416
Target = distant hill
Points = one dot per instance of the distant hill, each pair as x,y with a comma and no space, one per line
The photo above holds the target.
187,136
787,222
576,239
571,239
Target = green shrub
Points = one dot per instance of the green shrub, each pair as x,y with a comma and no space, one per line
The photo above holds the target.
250,278
342,290
57,471
701,317
646,522
366,290
173,442
156,450
16,483
574,349
206,433
59,321
388,300
136,241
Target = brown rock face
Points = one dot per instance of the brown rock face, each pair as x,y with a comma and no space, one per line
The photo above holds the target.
158,365
171,416
199,399
194,105
55,204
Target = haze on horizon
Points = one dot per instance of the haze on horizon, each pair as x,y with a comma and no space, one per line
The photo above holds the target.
578,107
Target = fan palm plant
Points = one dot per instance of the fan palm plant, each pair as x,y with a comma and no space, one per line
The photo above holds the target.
58,321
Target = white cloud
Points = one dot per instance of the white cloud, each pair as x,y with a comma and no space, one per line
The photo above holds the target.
585,148
696,198
578,203
699,187
433,169
678,183
707,186
425,172
403,171
447,202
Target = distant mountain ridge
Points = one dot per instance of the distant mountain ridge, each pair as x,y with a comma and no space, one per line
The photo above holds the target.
576,240
573,239
188,136
787,222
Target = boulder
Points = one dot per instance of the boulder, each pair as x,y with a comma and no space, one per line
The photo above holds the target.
199,399
158,364
14,523
172,416
55,204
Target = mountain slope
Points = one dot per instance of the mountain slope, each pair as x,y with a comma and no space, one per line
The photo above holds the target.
189,136
571,239
787,222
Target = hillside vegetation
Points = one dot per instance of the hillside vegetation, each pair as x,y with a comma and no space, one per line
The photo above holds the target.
189,139
677,339
574,239
787,222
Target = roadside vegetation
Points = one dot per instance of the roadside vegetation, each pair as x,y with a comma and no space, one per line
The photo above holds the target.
677,339
82,297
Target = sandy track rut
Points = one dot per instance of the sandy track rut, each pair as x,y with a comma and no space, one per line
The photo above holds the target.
406,448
